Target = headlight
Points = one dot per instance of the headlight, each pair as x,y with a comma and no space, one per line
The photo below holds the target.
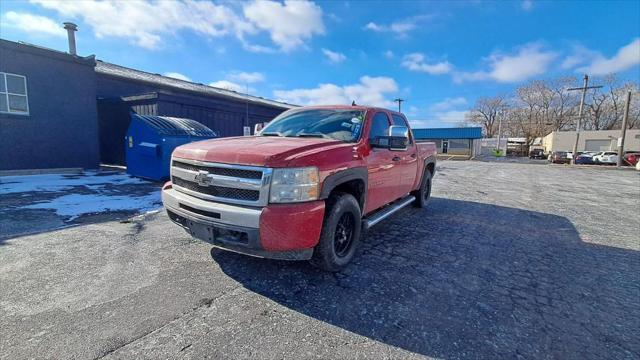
294,185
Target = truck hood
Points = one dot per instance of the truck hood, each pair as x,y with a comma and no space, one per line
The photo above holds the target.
267,151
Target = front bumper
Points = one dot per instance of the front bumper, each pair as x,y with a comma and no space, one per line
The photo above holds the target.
278,231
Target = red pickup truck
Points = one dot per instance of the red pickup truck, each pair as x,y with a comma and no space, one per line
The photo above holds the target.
305,187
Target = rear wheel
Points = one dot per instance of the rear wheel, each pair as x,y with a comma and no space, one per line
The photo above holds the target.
423,194
340,233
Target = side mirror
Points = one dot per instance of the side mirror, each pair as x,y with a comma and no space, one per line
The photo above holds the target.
398,137
397,140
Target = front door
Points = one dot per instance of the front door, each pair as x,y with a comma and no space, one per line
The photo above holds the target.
407,164
380,166
445,146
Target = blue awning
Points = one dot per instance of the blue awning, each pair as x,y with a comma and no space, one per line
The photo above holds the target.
449,133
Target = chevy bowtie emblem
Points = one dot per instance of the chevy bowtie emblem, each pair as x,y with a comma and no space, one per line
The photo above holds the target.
202,178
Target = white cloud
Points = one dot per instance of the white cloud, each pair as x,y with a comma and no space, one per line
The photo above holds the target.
146,23
420,124
246,77
289,23
229,85
151,24
177,75
389,54
334,57
33,24
416,62
530,60
449,103
401,27
527,5
627,57
369,91
450,117
579,56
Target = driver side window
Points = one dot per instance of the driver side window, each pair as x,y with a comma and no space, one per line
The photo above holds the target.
379,125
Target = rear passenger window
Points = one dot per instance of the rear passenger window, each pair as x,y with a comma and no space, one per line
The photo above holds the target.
379,125
400,121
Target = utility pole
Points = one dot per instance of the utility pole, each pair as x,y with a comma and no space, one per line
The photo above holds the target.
246,118
500,133
624,130
584,89
399,101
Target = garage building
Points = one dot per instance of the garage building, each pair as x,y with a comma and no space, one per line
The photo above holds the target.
60,110
451,141
596,140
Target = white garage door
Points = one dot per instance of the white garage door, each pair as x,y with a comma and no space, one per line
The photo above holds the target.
597,145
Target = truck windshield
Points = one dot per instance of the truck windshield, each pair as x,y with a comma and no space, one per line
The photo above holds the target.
338,124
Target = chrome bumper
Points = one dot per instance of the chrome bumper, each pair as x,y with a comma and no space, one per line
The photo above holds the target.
209,211
229,227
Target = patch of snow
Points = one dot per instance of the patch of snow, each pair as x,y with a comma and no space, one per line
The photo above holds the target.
74,205
60,182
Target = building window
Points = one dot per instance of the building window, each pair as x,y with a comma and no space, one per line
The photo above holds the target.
13,94
459,143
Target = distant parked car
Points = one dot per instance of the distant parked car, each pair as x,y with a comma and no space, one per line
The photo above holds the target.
631,158
585,158
559,157
606,157
536,154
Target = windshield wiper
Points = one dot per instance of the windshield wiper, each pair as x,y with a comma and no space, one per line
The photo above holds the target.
271,133
318,135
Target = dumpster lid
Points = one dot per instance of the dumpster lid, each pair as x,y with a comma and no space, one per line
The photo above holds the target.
167,125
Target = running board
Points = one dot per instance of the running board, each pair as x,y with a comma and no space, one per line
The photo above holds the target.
380,215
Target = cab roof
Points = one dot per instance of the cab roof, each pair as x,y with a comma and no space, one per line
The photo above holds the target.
349,107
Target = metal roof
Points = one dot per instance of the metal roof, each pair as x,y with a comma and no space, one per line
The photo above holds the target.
449,133
47,52
143,76
175,126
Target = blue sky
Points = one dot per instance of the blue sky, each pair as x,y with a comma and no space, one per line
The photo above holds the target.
439,56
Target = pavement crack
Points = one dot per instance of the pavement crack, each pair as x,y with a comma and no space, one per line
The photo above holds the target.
201,304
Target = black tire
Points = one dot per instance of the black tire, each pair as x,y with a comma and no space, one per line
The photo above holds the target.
423,194
340,233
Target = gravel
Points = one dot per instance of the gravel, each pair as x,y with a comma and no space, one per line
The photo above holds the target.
508,261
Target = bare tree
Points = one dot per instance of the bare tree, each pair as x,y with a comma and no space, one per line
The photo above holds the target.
606,106
487,112
564,103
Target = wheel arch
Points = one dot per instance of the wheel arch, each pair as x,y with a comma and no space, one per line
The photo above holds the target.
352,181
430,164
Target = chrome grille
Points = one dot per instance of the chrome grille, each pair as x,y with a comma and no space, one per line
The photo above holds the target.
238,184
240,173
218,191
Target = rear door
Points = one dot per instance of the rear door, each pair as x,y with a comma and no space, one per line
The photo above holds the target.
406,161
380,165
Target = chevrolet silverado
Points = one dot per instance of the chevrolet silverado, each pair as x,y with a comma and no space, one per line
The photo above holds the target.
304,188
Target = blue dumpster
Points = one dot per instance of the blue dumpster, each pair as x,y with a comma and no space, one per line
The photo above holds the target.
150,141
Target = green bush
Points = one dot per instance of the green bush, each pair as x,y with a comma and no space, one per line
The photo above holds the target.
497,152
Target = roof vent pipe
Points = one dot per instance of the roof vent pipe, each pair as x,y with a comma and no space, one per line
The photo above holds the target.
71,29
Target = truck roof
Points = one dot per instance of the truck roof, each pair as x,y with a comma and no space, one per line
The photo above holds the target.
347,107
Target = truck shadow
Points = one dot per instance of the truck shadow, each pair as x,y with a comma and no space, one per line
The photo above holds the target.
469,280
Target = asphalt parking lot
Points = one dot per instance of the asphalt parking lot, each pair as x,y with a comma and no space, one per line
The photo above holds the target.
508,261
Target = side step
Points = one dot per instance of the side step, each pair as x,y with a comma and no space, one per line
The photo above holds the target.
382,214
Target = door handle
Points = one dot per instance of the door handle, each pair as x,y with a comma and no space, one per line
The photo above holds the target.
414,155
396,158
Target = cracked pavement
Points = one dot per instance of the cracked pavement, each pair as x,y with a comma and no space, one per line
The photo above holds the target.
508,260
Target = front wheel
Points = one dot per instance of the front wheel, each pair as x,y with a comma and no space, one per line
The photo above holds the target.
340,233
423,194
